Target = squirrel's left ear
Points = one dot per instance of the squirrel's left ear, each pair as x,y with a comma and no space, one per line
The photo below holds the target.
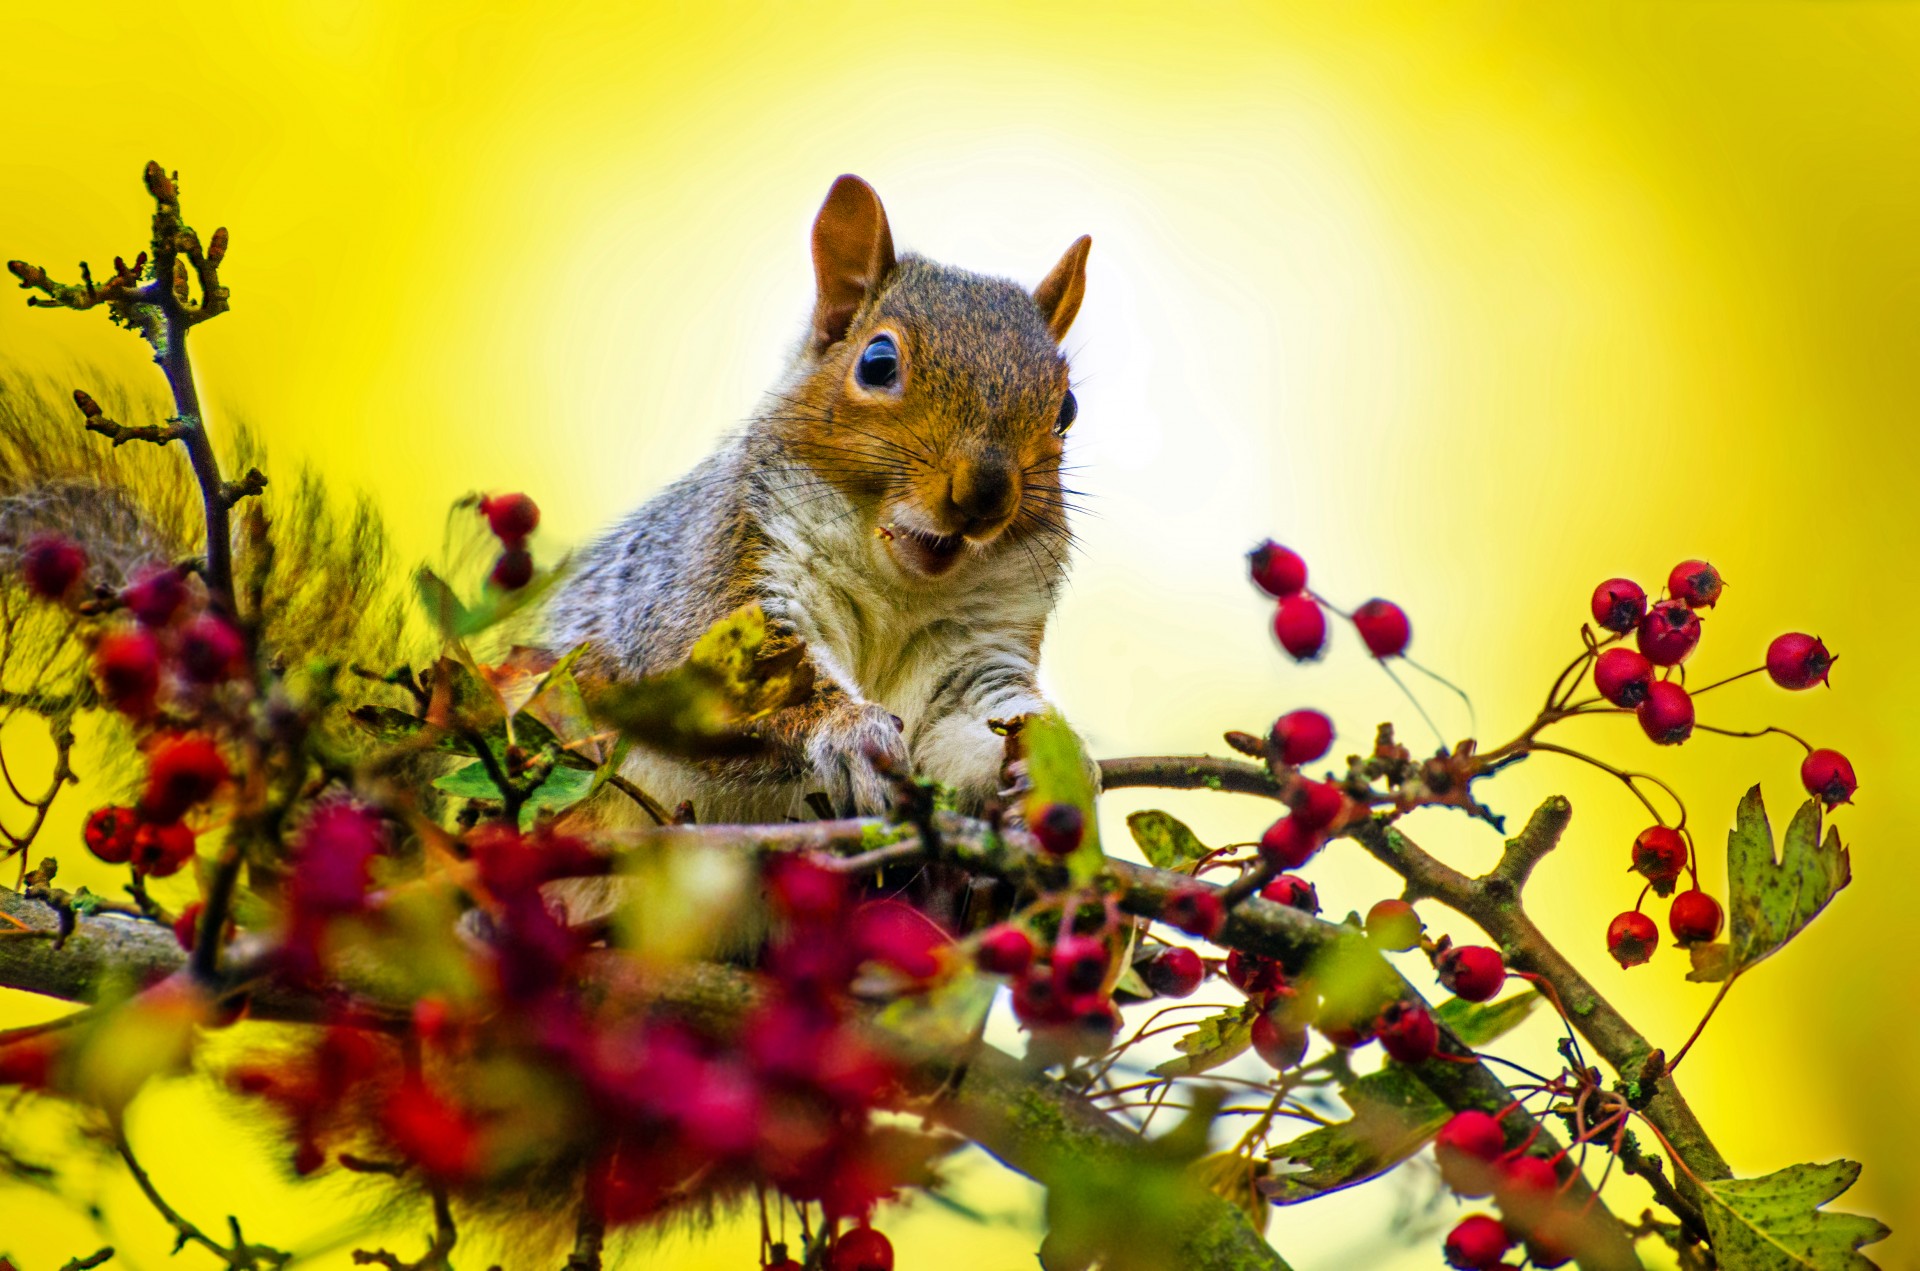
1059,293
852,255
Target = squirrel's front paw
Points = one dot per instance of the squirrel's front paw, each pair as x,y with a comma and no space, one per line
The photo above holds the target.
850,752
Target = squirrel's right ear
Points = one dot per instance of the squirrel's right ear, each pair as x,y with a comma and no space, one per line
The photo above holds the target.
852,255
1060,292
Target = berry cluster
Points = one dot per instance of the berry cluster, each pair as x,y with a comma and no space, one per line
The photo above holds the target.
1300,622
512,518
1475,1162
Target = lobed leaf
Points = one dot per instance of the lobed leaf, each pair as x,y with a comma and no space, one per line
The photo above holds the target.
1477,1023
1775,1223
1770,900
1211,1042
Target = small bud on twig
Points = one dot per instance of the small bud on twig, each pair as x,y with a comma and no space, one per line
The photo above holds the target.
88,407
217,249
160,185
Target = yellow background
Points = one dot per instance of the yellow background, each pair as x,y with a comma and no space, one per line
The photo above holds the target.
1475,304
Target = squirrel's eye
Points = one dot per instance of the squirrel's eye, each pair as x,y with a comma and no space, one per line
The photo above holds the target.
1069,411
879,363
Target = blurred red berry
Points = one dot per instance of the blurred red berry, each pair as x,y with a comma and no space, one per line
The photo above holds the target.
1694,917
1059,828
1004,950
513,570
1092,1023
155,595
1477,1243
1828,777
52,565
897,934
803,890
1618,605
1277,570
1798,661
1472,971
1037,1004
1384,627
211,650
777,1260
109,834
1631,938
431,1132
1301,737
1407,1032
127,665
181,772
1669,633
1175,971
861,1249
1524,1175
1293,891
333,858
1288,844
1622,676
187,924
1079,965
1466,1148
160,850
1317,804
511,517
1277,1039
1659,854
1254,975
1393,925
1695,583
1667,714
1196,911
1301,628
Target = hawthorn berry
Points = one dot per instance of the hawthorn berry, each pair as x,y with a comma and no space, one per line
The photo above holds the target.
1254,975
127,665
1466,1148
1474,972
1659,854
1317,804
1278,1040
861,1249
1622,676
160,850
1301,737
777,1260
52,565
1695,584
211,650
1196,911
1278,571
1288,844
109,834
1293,891
803,890
1093,1021
1384,627
1477,1243
1393,925
155,595
333,857
897,934
182,771
430,1131
513,570
1059,827
511,517
1618,605
1524,1175
1004,950
1079,965
1667,715
1631,938
1036,1003
1798,661
1694,917
1669,633
1175,971
1828,777
1407,1032
1301,628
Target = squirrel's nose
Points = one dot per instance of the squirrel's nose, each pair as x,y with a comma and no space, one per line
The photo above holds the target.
983,490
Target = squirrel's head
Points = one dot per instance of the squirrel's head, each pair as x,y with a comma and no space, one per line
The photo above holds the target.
934,398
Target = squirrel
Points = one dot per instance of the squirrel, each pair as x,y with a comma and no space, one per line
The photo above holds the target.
895,503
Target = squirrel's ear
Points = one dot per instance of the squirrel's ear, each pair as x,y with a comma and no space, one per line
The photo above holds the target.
852,255
1059,293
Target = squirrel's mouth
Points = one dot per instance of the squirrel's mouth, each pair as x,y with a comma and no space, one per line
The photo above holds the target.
923,553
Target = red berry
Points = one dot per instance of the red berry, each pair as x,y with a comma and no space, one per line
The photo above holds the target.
1175,971
898,935
1828,777
513,570
1254,975
1798,661
1695,584
1694,917
1407,1032
1393,925
1293,891
777,1260
1466,1148
155,595
1093,1021
1196,911
1526,1174
1059,827
211,650
862,1249
1384,627
1079,965
1659,854
1278,1040
127,664
333,858
1667,714
1631,938
511,517
1288,844
1472,971
1669,633
109,834
182,772
160,850
186,925
1618,605
1478,1243
1301,628
1036,1003
1317,804
52,565
1302,737
1004,950
803,890
1277,570
1622,676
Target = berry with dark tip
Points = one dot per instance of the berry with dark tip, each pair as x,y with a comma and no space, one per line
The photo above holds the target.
109,834
1005,950
1466,1148
1477,1243
1828,777
513,570
1474,972
1093,1021
1694,917
1659,854
1058,828
1288,844
52,565
1175,971
1317,804
211,650
182,772
1631,938
511,517
155,595
160,850
1302,737
1301,628
1277,570
1622,676
1079,965
1393,925
1407,1032
1037,1004
1695,583
1196,911
1278,1039
1667,714
1254,975
1618,605
1294,891
127,665
1796,661
1669,633
1384,627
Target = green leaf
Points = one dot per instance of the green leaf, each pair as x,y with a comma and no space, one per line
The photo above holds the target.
1211,1042
1394,1114
1236,1179
1477,1023
1166,841
1776,1224
1769,900
443,607
944,1019
562,788
1058,771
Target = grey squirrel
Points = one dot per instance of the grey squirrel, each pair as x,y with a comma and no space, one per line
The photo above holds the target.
895,503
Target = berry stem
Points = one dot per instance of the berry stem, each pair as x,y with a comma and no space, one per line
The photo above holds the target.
1702,1025
1757,732
1728,680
